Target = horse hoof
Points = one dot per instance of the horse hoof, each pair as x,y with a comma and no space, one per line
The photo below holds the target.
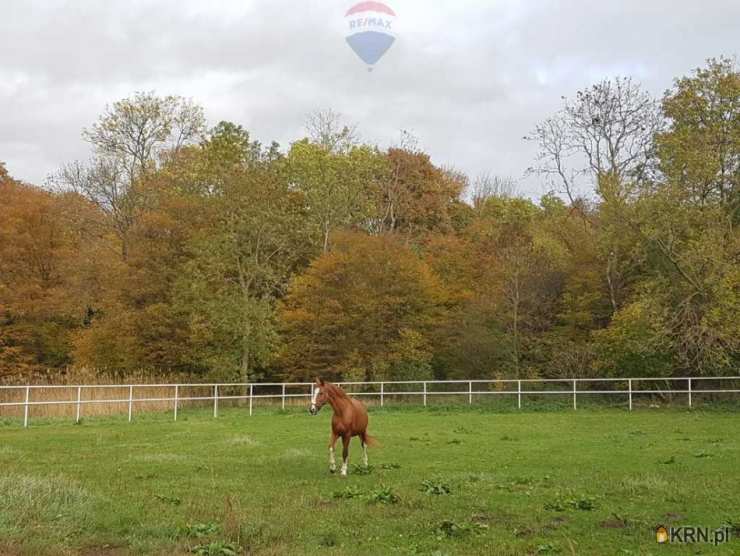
332,470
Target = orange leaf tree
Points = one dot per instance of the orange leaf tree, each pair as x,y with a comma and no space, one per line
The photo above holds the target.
366,309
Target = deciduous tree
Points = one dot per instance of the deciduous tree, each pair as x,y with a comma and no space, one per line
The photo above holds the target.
368,305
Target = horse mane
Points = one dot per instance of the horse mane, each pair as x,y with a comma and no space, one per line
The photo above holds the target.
334,391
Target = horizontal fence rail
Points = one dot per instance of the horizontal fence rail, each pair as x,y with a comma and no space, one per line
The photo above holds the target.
570,388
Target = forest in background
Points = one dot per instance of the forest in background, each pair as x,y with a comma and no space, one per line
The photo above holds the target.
180,249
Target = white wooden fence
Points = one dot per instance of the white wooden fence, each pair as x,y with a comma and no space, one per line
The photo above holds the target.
628,388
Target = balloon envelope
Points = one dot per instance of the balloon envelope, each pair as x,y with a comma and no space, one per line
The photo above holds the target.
370,30
370,45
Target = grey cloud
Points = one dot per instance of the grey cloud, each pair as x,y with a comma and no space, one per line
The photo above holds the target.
469,78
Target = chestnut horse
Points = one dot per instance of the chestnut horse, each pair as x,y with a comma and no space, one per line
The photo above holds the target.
350,419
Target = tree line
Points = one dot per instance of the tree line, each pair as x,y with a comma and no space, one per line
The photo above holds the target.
184,249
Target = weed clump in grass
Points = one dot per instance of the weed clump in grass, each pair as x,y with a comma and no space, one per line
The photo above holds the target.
328,539
582,503
361,469
435,487
381,495
216,548
348,493
200,530
384,495
451,529
390,466
174,500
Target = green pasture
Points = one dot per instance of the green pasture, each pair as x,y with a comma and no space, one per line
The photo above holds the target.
445,480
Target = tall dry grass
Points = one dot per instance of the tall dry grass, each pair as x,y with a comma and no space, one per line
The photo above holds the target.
105,394
97,387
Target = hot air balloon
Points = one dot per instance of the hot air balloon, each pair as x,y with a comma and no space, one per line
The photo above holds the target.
370,30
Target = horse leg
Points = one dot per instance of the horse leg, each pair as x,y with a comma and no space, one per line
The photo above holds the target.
345,454
364,449
332,462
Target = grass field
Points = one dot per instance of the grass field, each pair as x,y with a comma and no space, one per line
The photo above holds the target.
444,481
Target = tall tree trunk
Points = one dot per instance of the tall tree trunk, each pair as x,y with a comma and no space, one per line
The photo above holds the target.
326,237
612,287
244,366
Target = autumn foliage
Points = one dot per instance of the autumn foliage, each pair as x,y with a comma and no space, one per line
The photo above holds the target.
183,249
363,310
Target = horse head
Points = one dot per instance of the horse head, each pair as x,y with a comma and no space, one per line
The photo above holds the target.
320,396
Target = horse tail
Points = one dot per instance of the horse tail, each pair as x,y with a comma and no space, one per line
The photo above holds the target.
370,440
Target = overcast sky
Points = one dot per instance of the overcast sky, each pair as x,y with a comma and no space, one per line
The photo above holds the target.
468,78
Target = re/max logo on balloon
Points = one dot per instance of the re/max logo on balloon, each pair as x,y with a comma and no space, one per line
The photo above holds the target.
370,30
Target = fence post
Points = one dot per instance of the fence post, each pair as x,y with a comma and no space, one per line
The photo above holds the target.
470,392
519,394
283,395
130,401
689,392
215,400
574,394
79,398
25,407
177,392
251,386
629,384
425,394
382,391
